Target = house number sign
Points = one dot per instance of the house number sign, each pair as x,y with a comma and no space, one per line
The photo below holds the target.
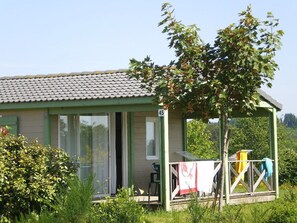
161,112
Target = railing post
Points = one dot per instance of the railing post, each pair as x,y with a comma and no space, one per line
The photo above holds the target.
251,176
170,180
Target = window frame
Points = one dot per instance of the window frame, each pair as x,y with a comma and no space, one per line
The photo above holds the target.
156,134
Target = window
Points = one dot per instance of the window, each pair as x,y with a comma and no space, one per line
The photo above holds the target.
86,139
11,122
152,138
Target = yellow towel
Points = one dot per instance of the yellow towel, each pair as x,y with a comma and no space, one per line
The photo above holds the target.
241,155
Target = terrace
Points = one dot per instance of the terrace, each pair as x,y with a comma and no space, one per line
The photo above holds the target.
250,185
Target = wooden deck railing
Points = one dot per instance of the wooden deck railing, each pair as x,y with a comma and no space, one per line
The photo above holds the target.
173,168
250,180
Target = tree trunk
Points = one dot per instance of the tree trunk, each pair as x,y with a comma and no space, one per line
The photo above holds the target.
224,153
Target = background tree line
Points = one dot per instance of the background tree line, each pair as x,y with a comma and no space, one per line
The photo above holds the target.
251,134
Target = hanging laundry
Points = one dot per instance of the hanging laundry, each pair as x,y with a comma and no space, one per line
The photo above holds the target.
205,174
241,161
267,165
187,174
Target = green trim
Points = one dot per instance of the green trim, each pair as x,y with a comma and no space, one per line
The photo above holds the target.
262,110
47,128
131,158
265,104
164,161
78,103
274,147
92,110
185,134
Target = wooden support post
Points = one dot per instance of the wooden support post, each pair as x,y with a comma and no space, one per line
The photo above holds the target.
130,143
164,159
185,134
274,148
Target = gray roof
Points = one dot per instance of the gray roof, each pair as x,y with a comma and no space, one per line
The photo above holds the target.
72,86
78,86
270,100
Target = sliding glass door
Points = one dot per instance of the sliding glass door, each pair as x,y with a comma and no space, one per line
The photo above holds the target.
86,139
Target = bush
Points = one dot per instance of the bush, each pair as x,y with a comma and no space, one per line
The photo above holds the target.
205,214
288,166
76,205
285,208
121,209
198,213
31,175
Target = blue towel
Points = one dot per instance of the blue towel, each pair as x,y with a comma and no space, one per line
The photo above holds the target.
267,165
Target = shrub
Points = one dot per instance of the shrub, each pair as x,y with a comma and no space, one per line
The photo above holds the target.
198,213
76,205
120,209
288,166
205,214
73,207
31,175
285,208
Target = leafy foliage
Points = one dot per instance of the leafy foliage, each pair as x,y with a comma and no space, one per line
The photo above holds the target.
199,141
213,79
290,120
31,175
122,208
74,206
284,209
251,134
199,213
288,166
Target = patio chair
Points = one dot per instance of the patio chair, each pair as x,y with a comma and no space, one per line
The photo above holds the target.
154,181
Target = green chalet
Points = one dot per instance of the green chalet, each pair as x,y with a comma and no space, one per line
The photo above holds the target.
110,125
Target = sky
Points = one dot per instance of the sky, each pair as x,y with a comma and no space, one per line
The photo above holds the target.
63,36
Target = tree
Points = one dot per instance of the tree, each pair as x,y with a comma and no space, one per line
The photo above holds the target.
287,147
199,140
251,134
216,79
290,120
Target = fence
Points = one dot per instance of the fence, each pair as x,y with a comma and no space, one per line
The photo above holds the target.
251,179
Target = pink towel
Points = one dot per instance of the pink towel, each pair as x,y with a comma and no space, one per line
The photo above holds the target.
187,172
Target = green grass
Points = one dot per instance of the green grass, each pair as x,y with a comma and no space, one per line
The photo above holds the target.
161,216
245,213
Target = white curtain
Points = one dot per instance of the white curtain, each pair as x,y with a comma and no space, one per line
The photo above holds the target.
86,139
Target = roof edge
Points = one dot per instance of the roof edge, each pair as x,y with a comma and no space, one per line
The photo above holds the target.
271,100
62,74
